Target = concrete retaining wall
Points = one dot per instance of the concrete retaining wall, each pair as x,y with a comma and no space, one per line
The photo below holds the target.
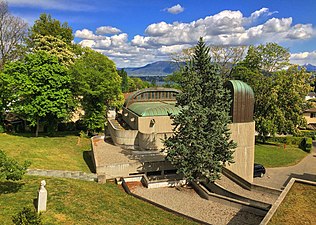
204,193
121,136
277,203
63,174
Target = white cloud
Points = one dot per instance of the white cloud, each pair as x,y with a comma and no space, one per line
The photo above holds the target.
300,31
86,34
107,30
87,43
176,9
224,28
263,12
303,58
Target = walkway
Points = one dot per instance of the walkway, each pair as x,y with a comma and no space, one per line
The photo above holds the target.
114,161
280,176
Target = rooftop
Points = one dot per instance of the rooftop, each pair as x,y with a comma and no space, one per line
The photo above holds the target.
154,108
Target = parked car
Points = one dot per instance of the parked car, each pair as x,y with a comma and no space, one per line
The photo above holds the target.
258,170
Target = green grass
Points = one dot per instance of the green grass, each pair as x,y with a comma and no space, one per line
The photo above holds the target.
81,202
298,206
274,155
67,152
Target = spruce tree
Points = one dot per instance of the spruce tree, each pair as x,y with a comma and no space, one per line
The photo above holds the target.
201,142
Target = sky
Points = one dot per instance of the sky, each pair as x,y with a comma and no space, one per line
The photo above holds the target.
136,32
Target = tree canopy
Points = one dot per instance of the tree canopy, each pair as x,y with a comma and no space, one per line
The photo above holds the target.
98,86
279,89
201,142
48,26
39,87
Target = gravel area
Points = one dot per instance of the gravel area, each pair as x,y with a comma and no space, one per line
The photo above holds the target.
253,194
186,201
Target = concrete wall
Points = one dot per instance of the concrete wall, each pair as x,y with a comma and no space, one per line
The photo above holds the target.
122,137
147,125
135,138
244,135
155,124
149,137
152,141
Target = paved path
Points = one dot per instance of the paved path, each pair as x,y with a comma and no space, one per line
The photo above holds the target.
279,177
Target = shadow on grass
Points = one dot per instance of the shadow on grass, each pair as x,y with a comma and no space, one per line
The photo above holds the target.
87,156
268,143
56,134
7,187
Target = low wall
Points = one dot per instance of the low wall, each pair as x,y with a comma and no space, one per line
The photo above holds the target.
162,183
121,136
276,205
204,193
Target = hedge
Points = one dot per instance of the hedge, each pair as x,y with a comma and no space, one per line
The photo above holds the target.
304,143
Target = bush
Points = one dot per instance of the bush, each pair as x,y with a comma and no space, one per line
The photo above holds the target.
11,169
309,145
306,144
289,140
2,130
307,133
27,216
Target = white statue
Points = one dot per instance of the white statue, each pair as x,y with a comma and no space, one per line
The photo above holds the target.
42,197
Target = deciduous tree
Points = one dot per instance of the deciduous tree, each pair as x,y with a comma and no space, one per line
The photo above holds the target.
97,85
13,30
54,46
39,87
279,91
227,57
201,142
48,26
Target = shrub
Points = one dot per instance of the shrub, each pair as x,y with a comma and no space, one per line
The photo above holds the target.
27,216
10,169
306,144
2,130
289,140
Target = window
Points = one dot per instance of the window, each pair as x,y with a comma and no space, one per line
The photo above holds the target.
313,115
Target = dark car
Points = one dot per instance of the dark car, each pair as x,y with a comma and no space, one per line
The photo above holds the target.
258,170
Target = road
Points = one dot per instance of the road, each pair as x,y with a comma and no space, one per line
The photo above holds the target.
280,176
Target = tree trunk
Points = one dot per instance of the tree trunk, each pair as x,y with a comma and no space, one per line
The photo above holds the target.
37,127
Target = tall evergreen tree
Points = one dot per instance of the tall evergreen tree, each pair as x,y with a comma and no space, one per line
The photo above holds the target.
201,142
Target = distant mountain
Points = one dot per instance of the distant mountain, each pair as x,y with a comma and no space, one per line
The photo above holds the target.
310,67
160,68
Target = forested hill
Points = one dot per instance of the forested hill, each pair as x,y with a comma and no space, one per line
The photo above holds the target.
310,67
160,68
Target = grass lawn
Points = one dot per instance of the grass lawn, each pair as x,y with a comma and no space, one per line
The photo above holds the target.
81,202
273,155
67,152
298,206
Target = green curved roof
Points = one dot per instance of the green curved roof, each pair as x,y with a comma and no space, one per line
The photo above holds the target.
240,86
145,109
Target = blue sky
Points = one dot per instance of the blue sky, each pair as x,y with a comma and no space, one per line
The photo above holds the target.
137,32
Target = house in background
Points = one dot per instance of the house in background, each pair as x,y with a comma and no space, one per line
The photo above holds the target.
310,116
